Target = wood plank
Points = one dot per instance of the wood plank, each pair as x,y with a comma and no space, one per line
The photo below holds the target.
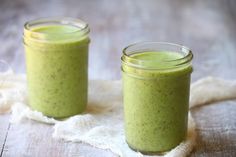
30,139
207,27
4,128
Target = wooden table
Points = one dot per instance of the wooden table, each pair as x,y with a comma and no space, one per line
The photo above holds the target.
208,27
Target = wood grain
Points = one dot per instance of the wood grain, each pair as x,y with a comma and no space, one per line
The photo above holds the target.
30,139
206,26
4,128
216,130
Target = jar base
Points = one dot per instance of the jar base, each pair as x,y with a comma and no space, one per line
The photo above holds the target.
148,152
60,117
65,116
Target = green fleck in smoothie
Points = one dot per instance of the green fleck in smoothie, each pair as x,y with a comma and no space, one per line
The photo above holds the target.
57,64
156,98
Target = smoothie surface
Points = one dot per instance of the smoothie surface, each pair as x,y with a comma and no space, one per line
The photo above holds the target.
160,59
157,56
56,29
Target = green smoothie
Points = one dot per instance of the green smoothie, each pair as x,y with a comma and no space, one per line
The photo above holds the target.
156,99
57,68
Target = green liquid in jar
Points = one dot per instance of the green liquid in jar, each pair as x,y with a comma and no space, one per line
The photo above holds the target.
155,101
57,69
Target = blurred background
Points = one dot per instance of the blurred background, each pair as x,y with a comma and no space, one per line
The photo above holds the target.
208,27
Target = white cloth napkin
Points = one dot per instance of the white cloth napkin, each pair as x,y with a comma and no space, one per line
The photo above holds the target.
102,123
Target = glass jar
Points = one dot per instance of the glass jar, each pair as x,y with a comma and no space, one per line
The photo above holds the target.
156,83
56,51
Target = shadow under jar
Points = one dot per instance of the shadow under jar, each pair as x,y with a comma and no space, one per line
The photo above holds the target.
56,52
156,83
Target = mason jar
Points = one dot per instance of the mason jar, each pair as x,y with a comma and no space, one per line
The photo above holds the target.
156,83
56,51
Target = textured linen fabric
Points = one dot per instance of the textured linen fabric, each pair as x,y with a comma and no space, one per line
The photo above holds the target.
102,123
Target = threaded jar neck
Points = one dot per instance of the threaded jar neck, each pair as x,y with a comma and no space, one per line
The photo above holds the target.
55,31
156,60
183,56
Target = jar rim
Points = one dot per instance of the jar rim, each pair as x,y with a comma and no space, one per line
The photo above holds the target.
137,63
82,26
